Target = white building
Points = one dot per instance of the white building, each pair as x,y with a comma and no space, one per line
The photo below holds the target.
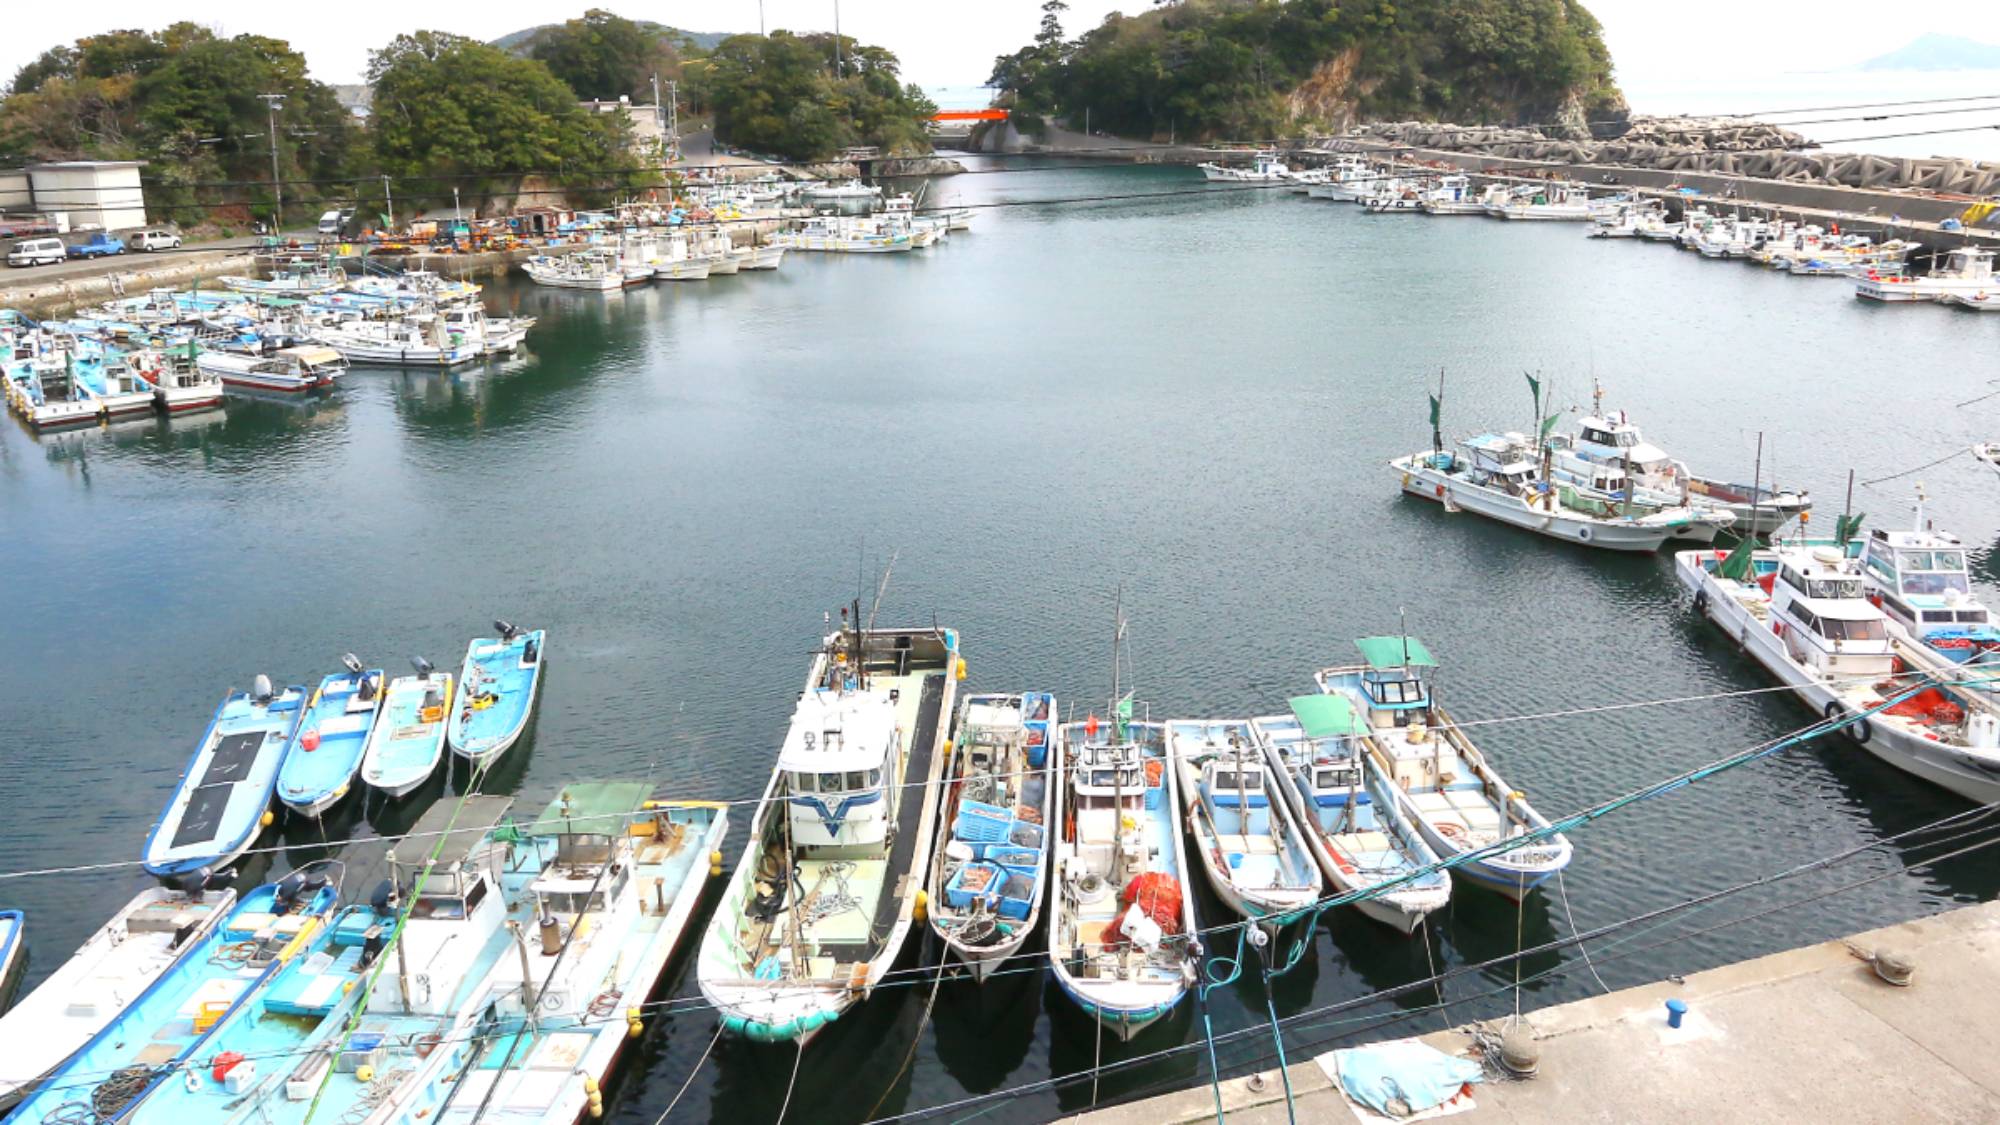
78,194
649,123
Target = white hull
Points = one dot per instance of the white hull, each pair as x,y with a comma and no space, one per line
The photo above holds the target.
1544,214
105,974
1452,207
1418,479
555,278
426,356
766,258
1970,775
181,400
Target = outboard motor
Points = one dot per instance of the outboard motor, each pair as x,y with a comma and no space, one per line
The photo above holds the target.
288,893
385,899
424,667
190,883
261,690
352,662
507,631
530,652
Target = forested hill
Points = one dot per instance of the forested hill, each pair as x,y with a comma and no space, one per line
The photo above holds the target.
1242,69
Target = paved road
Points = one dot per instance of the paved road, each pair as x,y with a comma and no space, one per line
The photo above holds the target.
133,260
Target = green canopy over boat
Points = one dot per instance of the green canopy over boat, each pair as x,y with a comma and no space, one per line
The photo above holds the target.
593,807
1326,716
1395,652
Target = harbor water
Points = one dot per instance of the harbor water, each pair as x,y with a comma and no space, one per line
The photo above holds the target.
1191,397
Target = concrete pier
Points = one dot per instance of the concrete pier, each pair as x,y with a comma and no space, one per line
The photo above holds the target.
1811,1034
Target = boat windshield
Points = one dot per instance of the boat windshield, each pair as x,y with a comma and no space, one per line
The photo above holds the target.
849,781
1951,561
1936,584
1832,588
1834,629
1229,779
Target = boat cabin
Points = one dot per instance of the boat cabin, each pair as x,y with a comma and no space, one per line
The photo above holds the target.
452,863
1819,609
1919,579
1502,461
590,866
839,766
1967,263
1611,439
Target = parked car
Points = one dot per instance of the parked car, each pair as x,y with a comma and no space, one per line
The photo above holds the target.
36,252
150,240
100,245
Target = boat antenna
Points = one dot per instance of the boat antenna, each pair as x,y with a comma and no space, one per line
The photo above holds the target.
1756,488
1403,627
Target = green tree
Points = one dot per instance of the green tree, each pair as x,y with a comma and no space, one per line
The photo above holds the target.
604,55
448,106
783,94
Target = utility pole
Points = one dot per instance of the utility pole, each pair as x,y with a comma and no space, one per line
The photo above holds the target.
271,104
839,71
673,119
760,18
390,204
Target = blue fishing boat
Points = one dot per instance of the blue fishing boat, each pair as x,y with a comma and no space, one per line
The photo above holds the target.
1356,827
1250,845
409,737
1443,784
496,693
360,1030
155,1036
224,794
332,736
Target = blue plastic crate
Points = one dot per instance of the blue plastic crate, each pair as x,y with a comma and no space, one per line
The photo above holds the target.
1014,857
979,823
959,898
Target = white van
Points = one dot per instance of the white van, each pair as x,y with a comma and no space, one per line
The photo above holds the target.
331,222
37,252
150,240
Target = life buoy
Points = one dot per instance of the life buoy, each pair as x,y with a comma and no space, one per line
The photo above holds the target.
1859,731
1583,534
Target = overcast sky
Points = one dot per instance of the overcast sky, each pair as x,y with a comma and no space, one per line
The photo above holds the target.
953,42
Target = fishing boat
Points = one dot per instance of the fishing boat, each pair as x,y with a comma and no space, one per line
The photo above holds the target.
1265,168
1801,609
820,903
13,938
843,235
292,370
370,1027
1256,857
1918,579
408,740
1124,942
1611,439
1496,477
1553,201
1967,269
985,888
154,1036
596,270
1439,780
291,281
677,260
223,798
417,340
46,395
108,381
1454,195
332,736
615,876
179,384
496,693
1350,178
495,335
765,257
834,191
1356,828
105,974
1987,453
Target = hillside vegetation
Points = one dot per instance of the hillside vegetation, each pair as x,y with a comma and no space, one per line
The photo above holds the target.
1246,69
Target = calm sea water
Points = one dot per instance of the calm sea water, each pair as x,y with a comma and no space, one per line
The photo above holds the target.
1191,397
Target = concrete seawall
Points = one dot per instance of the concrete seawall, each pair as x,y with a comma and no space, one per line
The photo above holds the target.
54,294
1810,1034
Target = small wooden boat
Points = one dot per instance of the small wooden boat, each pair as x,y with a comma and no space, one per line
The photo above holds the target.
617,875
496,693
998,790
106,973
152,1040
1251,847
408,739
1442,783
1356,827
224,794
333,734
827,888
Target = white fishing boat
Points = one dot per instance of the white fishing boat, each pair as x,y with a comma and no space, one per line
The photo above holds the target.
416,340
1396,196
106,973
1802,611
594,270
290,281
1494,477
1264,168
293,370
1302,180
1918,579
765,257
837,191
1454,195
110,381
1656,227
1987,453
986,888
841,234
1554,201
1350,178
494,335
1355,826
180,386
1968,269
617,877
1611,440
1257,858
824,895
677,260
1440,780
1982,301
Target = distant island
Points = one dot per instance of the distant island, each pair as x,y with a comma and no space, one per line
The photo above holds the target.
1938,52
